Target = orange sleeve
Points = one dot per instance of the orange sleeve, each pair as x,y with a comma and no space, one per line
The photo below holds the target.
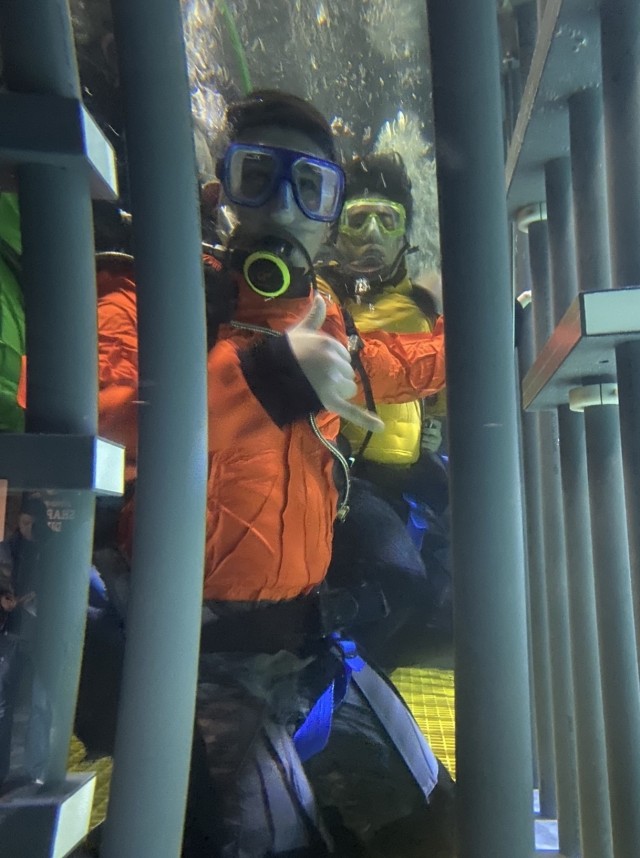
404,367
400,367
117,340
118,369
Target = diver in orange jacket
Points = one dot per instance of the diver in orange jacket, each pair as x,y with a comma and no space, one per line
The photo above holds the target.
294,742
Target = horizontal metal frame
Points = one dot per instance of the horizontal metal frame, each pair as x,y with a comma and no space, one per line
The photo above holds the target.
582,346
566,59
51,823
31,462
49,129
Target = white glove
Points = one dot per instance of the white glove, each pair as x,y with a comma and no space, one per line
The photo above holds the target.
326,363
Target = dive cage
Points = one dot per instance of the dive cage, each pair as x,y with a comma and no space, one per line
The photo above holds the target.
537,125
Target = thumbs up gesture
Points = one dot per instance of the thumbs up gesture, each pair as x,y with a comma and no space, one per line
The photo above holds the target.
326,363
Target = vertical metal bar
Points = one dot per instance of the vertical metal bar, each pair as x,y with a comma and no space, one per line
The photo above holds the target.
564,276
621,90
555,560
148,791
60,300
539,257
37,47
582,648
589,179
539,621
587,254
619,665
494,815
523,338
618,654
595,816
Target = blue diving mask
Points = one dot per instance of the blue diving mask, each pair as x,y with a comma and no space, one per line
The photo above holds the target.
251,175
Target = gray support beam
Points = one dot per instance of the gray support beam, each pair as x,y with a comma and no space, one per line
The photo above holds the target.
555,568
492,688
539,622
594,816
579,620
588,262
619,665
618,654
37,48
621,90
589,181
564,276
153,744
60,302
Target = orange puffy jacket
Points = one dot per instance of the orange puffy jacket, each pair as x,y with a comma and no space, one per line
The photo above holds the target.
271,494
118,354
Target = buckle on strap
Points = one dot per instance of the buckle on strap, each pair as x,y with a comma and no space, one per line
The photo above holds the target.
313,734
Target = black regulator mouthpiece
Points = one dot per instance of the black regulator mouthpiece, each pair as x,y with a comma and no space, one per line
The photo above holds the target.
267,269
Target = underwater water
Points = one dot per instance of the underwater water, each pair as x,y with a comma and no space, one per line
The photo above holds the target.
364,65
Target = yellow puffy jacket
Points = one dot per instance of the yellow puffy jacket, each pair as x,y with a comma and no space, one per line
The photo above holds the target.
392,310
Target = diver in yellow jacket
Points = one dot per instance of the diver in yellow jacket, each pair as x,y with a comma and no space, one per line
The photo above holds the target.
375,551
371,280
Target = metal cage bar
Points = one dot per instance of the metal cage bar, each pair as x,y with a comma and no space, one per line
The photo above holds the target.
593,272
153,743
60,302
492,687
538,601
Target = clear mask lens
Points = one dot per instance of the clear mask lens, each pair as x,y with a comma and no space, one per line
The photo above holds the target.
251,175
357,215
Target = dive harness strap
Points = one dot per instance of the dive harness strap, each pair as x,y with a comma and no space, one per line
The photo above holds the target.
355,346
390,709
313,734
417,523
395,717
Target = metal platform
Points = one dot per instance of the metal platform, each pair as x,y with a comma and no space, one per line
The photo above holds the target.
32,462
48,129
581,349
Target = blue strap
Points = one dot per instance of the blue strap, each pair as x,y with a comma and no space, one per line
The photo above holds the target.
98,596
312,736
417,524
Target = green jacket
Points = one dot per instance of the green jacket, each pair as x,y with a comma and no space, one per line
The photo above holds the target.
12,324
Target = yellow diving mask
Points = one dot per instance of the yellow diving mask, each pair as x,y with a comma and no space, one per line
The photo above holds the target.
357,214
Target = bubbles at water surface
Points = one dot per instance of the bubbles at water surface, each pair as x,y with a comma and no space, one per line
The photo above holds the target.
359,61
363,64
404,134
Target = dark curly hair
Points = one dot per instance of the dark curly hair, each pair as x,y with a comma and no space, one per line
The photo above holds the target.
380,174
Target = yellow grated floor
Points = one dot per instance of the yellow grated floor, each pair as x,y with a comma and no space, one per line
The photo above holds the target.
430,696
77,762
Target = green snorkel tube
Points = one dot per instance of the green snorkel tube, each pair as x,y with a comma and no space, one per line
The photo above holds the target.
232,30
